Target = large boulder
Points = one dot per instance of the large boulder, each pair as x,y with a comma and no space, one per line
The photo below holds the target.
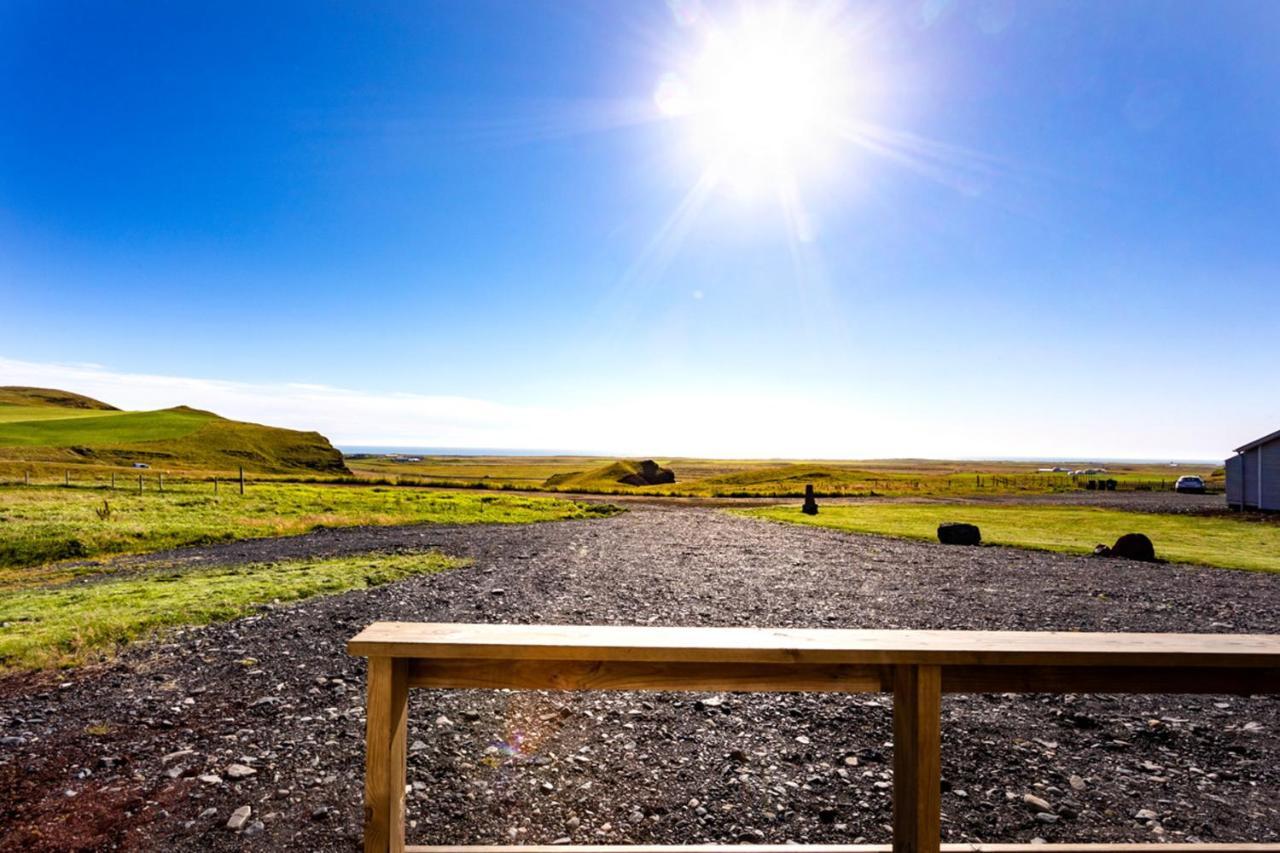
957,533
1133,546
649,473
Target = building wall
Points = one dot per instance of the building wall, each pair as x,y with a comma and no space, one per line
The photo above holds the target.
1271,475
1235,481
1246,470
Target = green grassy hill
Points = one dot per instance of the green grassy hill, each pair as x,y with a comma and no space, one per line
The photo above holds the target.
604,477
44,425
23,395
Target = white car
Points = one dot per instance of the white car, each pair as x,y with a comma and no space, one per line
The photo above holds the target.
1189,484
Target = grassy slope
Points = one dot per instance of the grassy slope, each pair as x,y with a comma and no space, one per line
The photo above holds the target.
50,427
73,624
604,477
1211,541
46,523
25,395
45,413
102,429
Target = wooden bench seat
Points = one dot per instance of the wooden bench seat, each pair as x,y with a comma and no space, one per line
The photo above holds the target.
916,666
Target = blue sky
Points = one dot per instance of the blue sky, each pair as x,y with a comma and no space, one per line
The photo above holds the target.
461,224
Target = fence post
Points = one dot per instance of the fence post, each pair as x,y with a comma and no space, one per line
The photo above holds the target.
160,480
113,481
139,484
242,479
66,478
26,478
215,485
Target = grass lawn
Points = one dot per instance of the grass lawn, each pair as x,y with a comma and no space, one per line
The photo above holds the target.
74,624
1208,540
41,524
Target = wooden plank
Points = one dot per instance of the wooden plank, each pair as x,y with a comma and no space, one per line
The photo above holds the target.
1217,847
781,678
1108,679
385,734
643,675
917,759
819,646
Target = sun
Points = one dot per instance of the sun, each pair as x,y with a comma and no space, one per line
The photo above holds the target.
762,99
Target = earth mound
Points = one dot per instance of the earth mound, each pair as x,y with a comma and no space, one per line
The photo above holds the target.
609,477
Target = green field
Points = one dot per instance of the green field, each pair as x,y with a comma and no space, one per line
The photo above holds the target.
721,478
1207,540
76,623
40,524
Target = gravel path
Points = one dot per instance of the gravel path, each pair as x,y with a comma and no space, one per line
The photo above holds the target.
138,754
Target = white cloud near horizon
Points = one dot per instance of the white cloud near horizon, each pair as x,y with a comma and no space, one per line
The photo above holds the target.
706,425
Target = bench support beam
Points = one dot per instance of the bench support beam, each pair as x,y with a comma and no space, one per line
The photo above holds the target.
917,759
385,741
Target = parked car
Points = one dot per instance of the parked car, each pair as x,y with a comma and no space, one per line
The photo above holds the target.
141,465
1189,484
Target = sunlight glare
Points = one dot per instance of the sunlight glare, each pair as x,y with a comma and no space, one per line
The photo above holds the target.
761,99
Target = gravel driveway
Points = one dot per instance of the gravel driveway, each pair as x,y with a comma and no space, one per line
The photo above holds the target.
144,753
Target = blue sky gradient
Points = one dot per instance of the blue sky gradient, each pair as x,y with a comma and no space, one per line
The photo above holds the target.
1073,250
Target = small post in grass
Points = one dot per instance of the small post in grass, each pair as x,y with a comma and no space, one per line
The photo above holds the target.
242,479
215,485
139,484
160,480
66,478
26,478
810,504
113,481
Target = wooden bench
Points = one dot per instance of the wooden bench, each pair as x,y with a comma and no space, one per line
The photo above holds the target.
916,666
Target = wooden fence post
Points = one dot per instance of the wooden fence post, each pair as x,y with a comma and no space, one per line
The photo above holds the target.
26,478
113,481
160,480
215,485
242,479
66,478
917,759
139,484
386,730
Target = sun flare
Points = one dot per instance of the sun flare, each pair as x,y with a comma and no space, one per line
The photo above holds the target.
761,100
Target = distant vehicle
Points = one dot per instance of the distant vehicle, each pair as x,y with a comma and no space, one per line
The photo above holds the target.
141,465
1189,484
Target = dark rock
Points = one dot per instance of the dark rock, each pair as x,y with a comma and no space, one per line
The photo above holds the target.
649,473
1134,546
956,533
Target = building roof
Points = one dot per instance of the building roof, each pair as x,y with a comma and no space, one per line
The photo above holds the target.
1264,440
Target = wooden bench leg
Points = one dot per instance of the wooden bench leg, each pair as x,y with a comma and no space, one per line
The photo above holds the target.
387,714
917,759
